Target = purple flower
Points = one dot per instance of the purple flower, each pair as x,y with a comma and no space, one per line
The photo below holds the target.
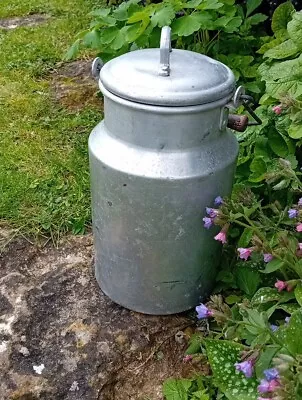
271,374
218,201
267,257
246,367
212,212
300,202
287,319
274,328
268,386
203,311
244,253
208,222
292,213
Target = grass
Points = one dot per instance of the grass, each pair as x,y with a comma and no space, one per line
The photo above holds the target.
44,179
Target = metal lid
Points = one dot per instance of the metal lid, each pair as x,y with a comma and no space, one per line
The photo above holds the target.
167,77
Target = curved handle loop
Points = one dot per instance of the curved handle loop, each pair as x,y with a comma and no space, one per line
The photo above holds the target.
165,50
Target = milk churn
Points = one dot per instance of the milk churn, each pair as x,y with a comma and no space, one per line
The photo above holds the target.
160,156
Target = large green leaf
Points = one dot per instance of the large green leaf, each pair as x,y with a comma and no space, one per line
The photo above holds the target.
277,143
283,50
222,356
245,238
292,335
294,28
265,295
298,294
282,16
273,266
176,389
295,131
163,16
251,6
228,23
247,280
185,26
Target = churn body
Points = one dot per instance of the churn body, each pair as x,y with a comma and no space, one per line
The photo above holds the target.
154,168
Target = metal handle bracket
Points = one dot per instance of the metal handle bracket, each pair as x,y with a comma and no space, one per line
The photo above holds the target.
165,50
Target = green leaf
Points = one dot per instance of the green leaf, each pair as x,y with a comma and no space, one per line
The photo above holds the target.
298,294
108,35
185,26
209,5
251,6
295,131
290,308
194,345
222,356
264,361
163,16
294,28
256,19
228,24
92,39
273,266
292,334
277,143
245,238
282,16
232,299
247,280
176,389
283,50
265,295
100,12
72,51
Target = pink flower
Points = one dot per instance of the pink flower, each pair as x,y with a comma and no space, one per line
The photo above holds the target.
187,358
264,398
299,228
244,253
221,237
300,202
277,109
280,285
300,246
246,367
268,386
267,257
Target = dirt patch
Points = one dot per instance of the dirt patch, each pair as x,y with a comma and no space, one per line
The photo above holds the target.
61,338
16,22
73,85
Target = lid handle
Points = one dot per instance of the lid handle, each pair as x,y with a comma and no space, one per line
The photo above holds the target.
165,50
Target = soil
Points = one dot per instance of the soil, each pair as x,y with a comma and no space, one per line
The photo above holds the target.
74,87
62,338
29,20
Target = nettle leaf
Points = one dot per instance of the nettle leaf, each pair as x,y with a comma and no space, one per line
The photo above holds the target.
265,295
258,168
251,6
294,28
292,334
222,355
281,16
298,294
163,16
176,389
73,50
283,50
92,39
247,280
194,345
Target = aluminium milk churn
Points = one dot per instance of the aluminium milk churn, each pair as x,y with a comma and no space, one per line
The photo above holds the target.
160,156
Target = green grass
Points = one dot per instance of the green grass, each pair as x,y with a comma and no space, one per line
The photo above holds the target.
44,180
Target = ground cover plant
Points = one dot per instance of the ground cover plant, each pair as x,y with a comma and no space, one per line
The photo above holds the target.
248,332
